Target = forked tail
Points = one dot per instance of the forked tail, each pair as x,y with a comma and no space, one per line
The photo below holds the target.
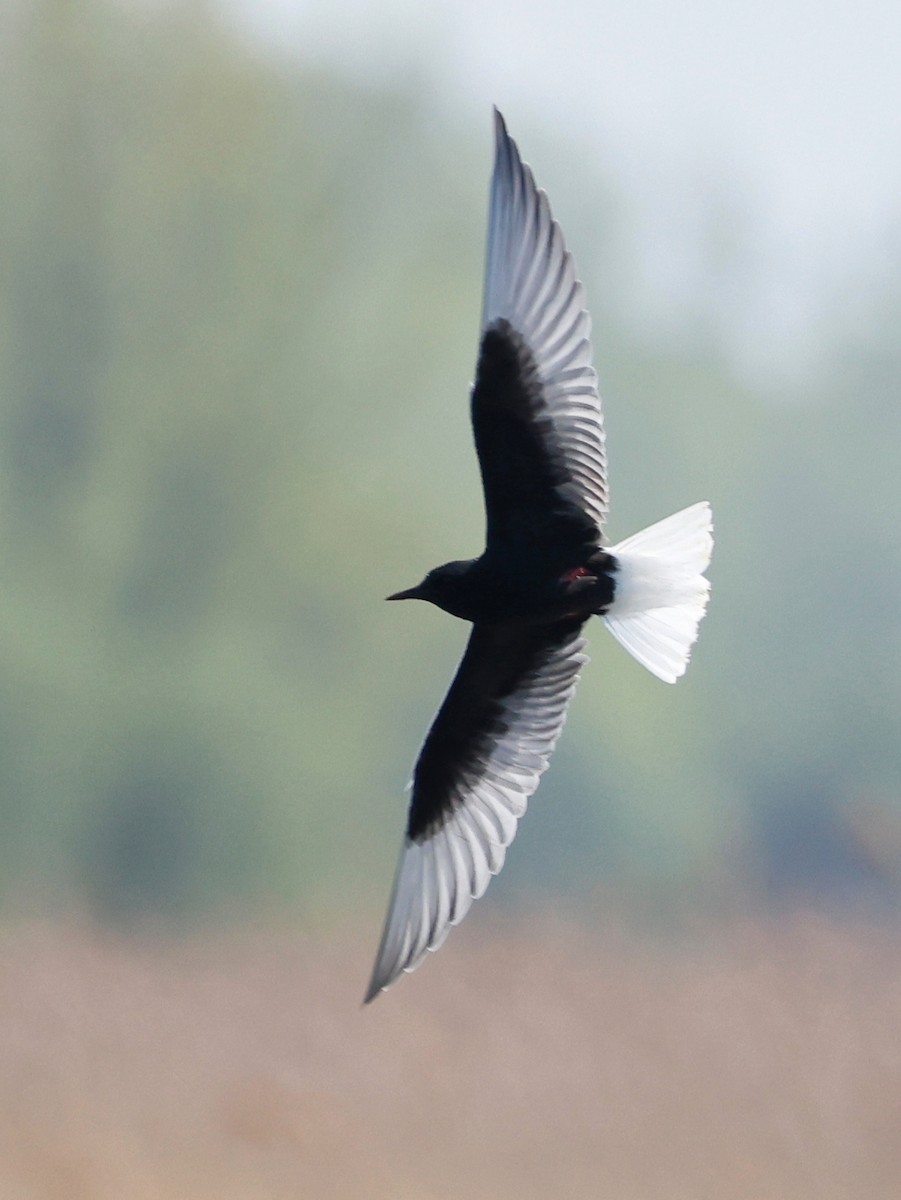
661,593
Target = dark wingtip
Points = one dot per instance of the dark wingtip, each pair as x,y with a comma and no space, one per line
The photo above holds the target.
506,154
371,992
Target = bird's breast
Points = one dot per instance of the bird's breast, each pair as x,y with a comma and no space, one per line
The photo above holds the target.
524,593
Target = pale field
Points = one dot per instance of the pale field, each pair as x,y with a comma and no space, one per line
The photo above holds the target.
755,1061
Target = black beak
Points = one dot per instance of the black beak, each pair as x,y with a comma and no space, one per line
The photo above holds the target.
412,593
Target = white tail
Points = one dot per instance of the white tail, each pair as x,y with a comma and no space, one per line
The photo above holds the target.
661,593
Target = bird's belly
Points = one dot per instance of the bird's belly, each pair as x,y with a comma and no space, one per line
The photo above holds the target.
579,593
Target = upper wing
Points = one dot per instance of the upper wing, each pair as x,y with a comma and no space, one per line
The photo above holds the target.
535,409
481,760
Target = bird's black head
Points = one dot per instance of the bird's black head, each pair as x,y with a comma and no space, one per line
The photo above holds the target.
449,586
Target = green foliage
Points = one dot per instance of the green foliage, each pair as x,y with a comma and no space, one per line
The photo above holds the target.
237,323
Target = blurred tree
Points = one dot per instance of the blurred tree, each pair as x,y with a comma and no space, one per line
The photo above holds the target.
237,320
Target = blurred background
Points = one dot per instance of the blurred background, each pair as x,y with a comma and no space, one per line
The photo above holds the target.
241,256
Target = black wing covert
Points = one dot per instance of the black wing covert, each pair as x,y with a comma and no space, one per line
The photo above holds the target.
480,763
536,413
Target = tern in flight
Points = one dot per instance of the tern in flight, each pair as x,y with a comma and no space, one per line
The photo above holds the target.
545,571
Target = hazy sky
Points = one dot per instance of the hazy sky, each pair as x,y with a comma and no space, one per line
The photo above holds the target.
789,112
